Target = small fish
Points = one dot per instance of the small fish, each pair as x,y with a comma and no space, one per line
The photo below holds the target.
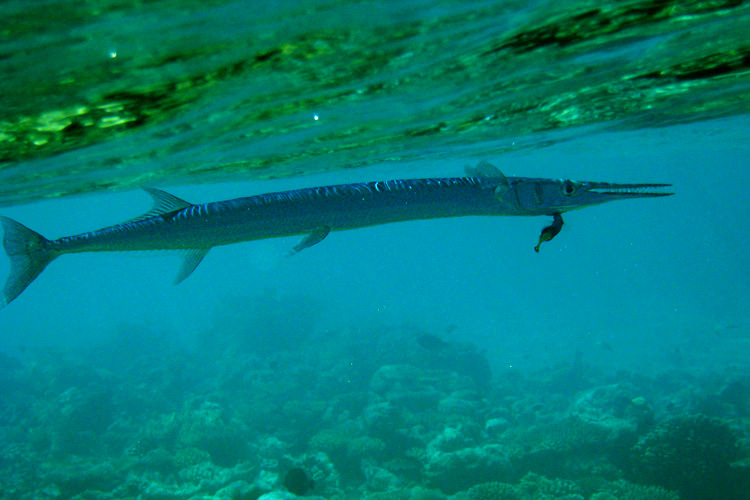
431,342
605,345
296,481
550,232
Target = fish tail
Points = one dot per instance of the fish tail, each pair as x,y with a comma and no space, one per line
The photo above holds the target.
29,254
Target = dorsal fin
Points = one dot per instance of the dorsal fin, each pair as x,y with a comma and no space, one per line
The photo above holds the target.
163,204
487,170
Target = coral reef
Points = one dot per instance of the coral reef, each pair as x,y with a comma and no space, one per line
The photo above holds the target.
622,490
459,470
493,491
537,487
692,455
207,429
377,416
347,448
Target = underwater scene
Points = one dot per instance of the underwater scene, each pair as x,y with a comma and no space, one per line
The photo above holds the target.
483,250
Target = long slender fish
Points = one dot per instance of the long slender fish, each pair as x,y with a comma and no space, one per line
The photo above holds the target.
175,224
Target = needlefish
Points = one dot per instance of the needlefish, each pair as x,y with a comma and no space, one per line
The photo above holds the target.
175,224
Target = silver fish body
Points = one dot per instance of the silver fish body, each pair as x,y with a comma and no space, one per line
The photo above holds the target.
175,224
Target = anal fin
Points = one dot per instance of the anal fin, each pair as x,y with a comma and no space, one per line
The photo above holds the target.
190,261
318,234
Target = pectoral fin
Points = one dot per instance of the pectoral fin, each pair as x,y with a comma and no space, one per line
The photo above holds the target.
192,258
311,239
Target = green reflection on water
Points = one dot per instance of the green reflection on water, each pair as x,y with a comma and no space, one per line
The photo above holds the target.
165,92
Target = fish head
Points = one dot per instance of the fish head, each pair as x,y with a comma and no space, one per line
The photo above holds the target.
555,196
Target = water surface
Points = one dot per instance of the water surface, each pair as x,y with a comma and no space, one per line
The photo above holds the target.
113,95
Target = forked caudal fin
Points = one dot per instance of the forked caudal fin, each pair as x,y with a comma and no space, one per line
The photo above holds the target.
29,254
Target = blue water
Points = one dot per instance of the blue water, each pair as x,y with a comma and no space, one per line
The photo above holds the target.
636,274
428,359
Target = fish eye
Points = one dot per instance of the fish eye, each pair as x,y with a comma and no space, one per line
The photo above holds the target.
568,188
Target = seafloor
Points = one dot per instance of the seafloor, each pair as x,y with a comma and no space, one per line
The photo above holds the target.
386,414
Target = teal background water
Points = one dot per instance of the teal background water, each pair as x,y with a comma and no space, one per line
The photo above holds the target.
211,102
633,273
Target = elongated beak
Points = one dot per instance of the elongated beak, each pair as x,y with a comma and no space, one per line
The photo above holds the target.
626,191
